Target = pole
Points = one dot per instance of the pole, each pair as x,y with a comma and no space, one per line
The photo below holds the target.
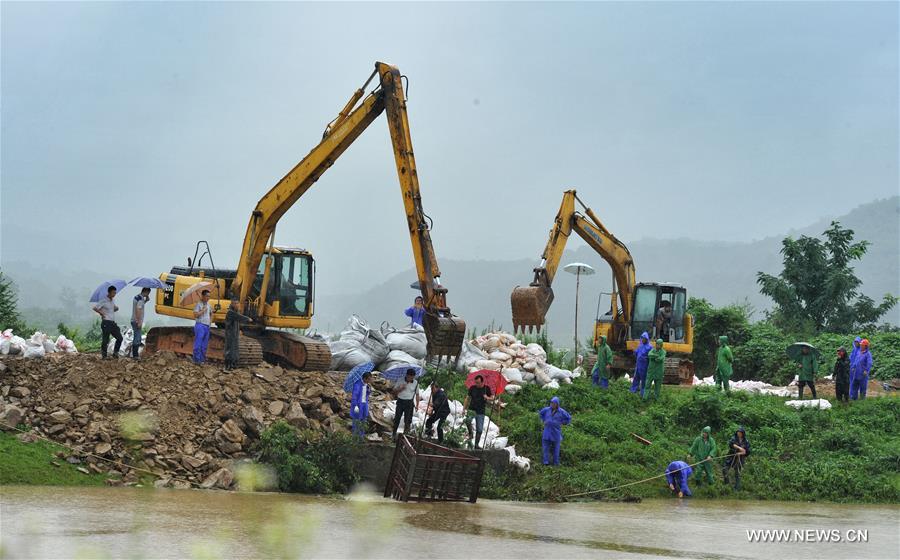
577,287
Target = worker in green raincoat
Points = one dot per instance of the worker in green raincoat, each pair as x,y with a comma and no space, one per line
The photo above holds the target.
809,367
656,370
600,372
724,359
703,449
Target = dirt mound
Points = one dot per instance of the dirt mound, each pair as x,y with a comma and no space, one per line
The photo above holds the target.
183,422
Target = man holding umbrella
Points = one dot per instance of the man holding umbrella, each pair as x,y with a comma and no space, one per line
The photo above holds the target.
474,404
107,308
805,355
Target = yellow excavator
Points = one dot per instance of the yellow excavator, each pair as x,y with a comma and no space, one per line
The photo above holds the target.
655,308
275,285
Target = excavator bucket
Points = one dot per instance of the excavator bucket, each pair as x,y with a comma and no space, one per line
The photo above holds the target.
529,307
445,335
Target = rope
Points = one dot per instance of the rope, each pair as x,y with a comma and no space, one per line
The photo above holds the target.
88,454
646,479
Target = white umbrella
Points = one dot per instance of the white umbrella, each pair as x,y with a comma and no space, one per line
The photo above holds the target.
578,269
192,294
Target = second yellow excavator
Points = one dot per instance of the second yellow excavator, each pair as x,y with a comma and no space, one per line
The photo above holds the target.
275,285
655,308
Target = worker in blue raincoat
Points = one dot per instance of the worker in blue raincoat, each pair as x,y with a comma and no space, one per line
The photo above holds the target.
642,361
554,418
677,474
855,351
859,371
359,404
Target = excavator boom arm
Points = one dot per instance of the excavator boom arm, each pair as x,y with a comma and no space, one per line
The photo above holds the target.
445,331
530,304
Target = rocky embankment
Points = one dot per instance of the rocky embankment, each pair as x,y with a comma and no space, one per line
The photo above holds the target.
186,424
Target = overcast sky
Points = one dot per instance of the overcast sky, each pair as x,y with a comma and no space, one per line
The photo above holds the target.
131,130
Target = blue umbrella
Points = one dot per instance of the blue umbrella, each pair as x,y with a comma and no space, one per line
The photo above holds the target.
102,288
356,374
399,372
147,282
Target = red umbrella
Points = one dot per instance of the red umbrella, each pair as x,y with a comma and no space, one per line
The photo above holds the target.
493,379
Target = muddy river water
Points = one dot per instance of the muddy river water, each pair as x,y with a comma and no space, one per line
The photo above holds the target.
44,522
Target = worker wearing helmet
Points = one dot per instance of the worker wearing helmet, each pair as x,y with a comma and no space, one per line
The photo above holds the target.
859,371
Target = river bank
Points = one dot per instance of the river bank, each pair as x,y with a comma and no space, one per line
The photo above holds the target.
166,422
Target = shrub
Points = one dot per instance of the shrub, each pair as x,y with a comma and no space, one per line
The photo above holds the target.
308,462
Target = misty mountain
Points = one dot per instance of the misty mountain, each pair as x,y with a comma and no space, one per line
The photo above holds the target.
723,273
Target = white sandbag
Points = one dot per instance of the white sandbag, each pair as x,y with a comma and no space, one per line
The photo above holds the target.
34,350
529,366
499,442
468,356
368,339
528,377
567,380
557,373
554,384
5,338
487,364
536,350
488,344
49,345
63,344
398,358
17,345
541,377
125,349
512,375
521,463
577,372
507,338
411,340
512,389
498,356
814,403
346,355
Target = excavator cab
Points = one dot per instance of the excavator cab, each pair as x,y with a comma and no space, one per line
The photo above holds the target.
659,309
289,283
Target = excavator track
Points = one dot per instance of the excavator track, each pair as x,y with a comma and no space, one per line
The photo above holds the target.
529,307
277,347
180,340
445,336
295,351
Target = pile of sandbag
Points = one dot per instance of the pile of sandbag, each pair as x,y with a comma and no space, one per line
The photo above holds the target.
37,345
387,347
758,387
358,343
518,362
490,437
822,404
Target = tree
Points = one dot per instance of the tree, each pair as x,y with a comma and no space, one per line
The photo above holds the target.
818,290
710,323
9,312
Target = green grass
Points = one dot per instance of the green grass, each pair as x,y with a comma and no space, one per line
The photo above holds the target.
32,464
846,454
